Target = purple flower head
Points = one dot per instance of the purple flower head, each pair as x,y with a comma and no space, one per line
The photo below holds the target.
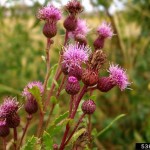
75,54
81,28
30,85
8,107
72,79
105,30
118,76
49,13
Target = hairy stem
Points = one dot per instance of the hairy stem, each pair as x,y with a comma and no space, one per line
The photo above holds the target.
67,126
29,117
84,89
41,121
75,128
4,143
61,86
89,130
15,138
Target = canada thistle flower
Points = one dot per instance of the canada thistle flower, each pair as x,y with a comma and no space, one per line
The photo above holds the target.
81,29
8,107
105,30
30,85
75,54
118,76
49,13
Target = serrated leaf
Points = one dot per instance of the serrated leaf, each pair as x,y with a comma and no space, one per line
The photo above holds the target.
52,74
61,117
36,93
107,127
55,82
55,129
76,135
30,145
94,132
47,141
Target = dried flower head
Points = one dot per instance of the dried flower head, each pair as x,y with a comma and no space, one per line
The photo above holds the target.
105,30
74,7
98,59
49,13
8,107
30,85
4,129
118,76
76,54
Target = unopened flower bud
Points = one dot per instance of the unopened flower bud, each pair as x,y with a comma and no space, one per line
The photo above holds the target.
81,39
89,77
70,23
105,84
99,43
31,105
50,29
4,129
88,107
72,85
13,121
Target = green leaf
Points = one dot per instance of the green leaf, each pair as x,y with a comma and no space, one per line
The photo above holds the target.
53,100
61,117
56,129
107,127
36,93
47,141
76,135
52,74
30,145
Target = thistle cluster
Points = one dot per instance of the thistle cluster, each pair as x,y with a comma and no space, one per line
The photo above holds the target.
81,66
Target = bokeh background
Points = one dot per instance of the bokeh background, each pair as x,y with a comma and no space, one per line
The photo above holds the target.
22,46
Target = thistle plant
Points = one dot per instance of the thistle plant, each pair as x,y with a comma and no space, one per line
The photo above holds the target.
79,70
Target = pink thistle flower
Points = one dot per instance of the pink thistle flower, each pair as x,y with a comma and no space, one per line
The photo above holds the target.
49,13
118,76
74,55
30,85
9,107
81,29
105,30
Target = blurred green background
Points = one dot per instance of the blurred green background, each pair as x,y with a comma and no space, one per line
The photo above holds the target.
22,44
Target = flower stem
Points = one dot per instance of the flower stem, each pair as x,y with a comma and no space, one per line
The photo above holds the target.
4,143
41,121
15,138
61,86
84,89
29,117
67,126
75,128
89,130
66,38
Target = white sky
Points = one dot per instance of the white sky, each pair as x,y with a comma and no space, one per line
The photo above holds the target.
117,5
